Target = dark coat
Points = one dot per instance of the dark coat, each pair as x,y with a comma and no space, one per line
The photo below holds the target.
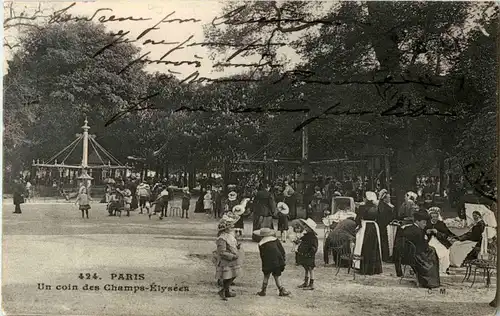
263,204
307,249
416,235
272,255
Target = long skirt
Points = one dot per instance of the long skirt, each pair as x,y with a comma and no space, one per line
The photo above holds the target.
391,237
459,251
427,269
443,254
384,243
292,205
368,247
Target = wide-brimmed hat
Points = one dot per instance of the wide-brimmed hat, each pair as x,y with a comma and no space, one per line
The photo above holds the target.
382,194
185,189
264,232
371,196
283,208
227,221
309,223
232,196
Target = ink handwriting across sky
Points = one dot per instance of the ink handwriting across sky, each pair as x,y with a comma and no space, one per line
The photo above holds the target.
239,56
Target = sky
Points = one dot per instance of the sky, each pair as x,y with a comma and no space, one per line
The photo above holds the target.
205,11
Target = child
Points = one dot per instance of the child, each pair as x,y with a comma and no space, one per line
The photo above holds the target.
127,200
272,256
83,200
306,253
298,230
114,203
208,203
186,199
232,201
283,211
226,257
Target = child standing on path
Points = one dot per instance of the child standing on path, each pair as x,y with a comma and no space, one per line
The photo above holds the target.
208,203
283,211
272,256
306,253
227,256
186,199
83,202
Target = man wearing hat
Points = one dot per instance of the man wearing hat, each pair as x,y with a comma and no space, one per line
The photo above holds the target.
426,263
272,256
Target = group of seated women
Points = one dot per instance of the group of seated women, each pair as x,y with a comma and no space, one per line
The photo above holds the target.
435,247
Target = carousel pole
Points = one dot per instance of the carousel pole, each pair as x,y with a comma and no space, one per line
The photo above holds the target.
85,155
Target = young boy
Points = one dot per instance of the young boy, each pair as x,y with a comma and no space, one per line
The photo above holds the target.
306,253
272,256
83,200
186,199
283,211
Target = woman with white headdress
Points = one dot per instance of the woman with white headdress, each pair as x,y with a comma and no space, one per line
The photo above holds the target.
385,216
439,237
367,245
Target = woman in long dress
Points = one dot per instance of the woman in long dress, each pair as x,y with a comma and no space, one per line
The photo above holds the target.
385,216
439,238
368,238
467,246
426,262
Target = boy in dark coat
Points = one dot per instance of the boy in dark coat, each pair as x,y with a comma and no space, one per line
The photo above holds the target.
272,256
306,253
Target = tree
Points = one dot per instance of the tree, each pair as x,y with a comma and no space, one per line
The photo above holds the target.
54,80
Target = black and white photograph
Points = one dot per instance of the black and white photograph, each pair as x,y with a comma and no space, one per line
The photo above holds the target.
188,157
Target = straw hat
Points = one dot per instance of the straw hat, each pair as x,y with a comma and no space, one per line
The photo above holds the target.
283,208
238,210
232,196
309,223
227,221
185,189
264,232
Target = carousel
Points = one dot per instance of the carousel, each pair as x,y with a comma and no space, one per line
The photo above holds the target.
103,161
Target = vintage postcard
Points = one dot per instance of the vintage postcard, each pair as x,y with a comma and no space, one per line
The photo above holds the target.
187,157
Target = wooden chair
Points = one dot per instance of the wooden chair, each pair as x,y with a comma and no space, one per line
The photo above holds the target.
408,260
487,265
175,211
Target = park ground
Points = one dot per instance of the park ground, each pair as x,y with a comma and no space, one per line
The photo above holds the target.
50,243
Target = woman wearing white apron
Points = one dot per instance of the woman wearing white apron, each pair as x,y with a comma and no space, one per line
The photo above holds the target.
368,238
